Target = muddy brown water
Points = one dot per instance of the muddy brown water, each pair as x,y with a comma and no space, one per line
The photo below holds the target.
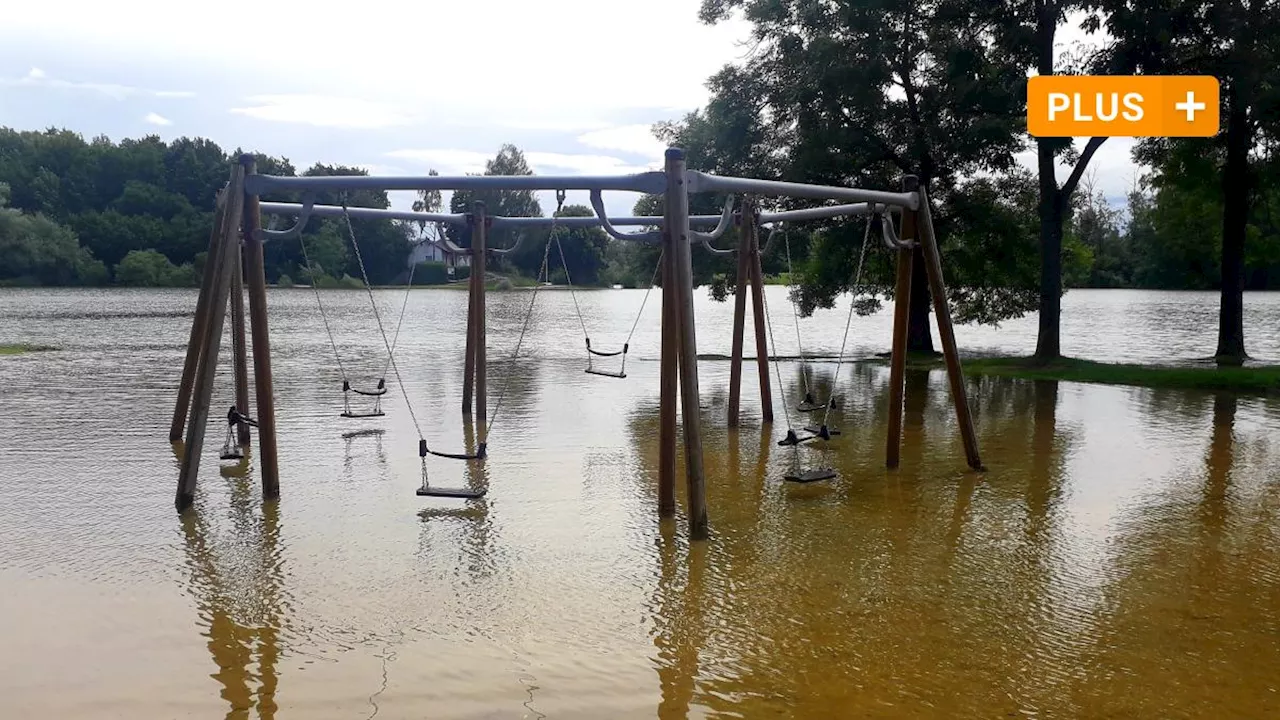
1120,559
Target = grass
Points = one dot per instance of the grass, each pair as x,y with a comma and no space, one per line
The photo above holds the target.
19,348
1256,379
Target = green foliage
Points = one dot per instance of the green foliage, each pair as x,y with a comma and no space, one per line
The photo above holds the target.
284,281
511,203
431,273
35,250
149,268
144,194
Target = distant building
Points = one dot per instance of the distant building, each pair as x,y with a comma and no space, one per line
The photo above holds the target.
435,251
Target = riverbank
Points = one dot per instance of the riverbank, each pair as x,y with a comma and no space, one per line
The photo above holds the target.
1256,379
20,348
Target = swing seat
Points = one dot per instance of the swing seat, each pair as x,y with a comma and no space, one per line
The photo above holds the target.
482,452
463,493
375,413
231,454
793,439
807,406
600,353
605,373
816,430
808,476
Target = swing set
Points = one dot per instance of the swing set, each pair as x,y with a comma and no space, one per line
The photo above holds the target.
238,229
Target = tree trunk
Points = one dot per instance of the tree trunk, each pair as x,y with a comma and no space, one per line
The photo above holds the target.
1049,339
1235,192
919,334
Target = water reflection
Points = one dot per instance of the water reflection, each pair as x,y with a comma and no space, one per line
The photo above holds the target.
238,585
1118,560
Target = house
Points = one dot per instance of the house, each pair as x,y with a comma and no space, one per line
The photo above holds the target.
433,250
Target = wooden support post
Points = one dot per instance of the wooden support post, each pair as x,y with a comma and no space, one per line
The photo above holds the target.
479,250
238,345
668,383
195,342
256,274
751,227
677,225
739,316
946,333
901,321
469,365
198,421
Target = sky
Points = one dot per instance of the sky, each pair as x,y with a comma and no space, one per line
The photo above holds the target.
395,87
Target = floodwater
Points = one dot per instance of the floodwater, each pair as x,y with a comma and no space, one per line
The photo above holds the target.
1120,559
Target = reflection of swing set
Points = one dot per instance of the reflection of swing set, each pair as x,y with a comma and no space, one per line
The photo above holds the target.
238,224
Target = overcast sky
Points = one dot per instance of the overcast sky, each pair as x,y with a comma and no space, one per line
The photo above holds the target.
396,87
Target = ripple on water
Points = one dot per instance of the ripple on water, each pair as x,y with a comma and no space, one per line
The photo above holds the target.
1117,560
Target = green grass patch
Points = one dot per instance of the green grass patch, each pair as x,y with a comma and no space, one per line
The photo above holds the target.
1258,379
20,348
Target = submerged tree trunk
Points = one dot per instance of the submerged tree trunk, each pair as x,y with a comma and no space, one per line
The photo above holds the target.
1049,337
919,334
1235,206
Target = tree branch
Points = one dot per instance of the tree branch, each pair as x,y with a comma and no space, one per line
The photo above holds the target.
1090,148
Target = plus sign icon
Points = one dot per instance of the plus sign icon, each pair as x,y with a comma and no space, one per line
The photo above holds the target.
1123,105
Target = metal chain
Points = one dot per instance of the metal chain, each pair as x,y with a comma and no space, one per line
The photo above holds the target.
795,313
544,272
395,339
653,281
853,304
323,316
782,389
346,215
560,195
391,358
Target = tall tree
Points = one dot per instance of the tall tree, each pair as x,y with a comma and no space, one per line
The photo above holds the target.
1235,41
860,94
511,203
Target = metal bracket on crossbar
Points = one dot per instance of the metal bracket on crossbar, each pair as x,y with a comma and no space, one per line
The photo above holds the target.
888,233
652,237
304,215
726,219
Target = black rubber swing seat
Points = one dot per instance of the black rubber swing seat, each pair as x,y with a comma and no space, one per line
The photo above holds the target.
233,455
808,406
379,392
605,373
482,452
462,493
376,413
808,476
821,431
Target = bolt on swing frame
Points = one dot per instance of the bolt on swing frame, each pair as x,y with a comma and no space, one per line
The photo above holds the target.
675,234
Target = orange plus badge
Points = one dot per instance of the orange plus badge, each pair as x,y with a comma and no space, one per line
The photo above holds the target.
1122,105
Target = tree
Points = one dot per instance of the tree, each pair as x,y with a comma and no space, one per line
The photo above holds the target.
510,203
1234,41
35,250
148,268
584,250
860,94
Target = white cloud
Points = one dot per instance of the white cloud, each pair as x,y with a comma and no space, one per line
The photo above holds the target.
157,119
446,161
550,163
38,78
635,139
323,111
545,67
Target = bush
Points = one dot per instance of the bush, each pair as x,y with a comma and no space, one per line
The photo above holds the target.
437,273
285,282
149,268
